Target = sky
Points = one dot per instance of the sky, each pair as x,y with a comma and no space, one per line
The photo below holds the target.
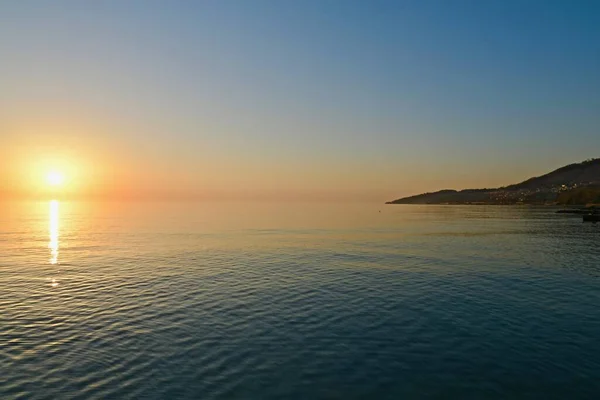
330,99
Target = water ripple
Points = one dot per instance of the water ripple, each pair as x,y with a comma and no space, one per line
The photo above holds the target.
503,306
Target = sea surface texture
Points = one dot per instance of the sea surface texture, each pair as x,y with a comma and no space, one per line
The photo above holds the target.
297,301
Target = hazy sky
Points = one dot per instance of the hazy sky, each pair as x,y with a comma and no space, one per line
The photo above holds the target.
295,99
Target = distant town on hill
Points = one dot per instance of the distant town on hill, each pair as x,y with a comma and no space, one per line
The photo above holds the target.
574,184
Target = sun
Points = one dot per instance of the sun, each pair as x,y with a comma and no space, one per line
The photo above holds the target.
55,178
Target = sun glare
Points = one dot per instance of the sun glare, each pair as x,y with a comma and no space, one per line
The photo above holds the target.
55,178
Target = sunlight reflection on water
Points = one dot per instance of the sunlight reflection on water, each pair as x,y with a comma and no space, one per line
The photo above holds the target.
54,235
53,244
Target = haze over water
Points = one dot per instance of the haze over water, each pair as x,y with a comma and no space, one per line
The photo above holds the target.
231,300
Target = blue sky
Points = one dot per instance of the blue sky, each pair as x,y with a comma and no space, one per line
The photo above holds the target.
373,98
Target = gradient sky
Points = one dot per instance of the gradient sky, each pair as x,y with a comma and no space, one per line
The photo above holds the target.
295,99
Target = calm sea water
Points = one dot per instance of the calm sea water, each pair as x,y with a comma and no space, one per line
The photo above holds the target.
297,301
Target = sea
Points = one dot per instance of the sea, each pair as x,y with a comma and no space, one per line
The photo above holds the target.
296,300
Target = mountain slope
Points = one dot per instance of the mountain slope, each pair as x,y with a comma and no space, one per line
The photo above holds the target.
585,173
542,189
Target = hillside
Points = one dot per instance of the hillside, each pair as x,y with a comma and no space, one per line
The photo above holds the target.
586,173
577,183
582,195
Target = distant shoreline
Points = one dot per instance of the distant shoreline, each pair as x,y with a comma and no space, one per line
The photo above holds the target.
574,185
487,204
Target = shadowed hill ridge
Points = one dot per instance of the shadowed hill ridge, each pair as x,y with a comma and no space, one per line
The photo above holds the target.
553,187
584,173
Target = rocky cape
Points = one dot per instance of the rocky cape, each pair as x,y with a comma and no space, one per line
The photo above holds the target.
574,184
